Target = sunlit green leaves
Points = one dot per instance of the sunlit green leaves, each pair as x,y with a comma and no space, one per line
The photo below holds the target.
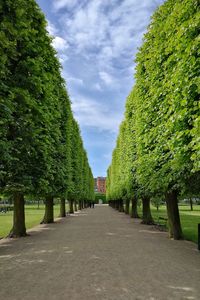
163,108
41,148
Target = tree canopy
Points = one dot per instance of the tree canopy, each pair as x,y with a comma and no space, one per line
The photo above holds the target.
161,125
41,148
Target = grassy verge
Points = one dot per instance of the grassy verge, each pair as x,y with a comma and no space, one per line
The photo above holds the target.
34,216
189,219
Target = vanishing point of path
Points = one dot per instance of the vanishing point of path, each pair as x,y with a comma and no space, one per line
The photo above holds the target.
98,254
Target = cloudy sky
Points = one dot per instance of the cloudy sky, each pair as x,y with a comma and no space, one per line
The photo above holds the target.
96,41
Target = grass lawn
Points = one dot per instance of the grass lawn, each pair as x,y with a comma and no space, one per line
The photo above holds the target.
189,219
33,217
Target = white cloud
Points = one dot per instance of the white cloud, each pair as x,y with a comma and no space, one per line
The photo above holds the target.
88,26
97,87
106,78
63,58
103,37
51,28
90,113
59,4
105,30
60,44
74,80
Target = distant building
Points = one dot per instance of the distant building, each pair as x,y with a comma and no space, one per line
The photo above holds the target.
100,185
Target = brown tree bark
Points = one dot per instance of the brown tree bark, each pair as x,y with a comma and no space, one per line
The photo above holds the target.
117,205
71,206
62,208
121,205
79,205
82,204
174,223
19,228
134,213
127,206
75,205
146,211
49,213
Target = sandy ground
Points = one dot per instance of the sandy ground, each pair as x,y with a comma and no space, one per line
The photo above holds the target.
98,254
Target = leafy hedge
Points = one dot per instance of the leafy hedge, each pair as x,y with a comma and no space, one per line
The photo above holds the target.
41,150
158,147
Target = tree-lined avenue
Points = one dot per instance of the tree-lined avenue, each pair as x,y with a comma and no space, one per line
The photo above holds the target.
98,254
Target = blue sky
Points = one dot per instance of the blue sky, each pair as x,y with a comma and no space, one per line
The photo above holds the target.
96,41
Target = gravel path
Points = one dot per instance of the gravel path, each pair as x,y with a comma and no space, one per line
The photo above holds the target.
98,254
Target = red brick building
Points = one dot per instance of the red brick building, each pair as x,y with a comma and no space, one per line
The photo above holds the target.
100,184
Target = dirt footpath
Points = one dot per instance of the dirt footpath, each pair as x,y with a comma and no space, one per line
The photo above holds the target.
98,254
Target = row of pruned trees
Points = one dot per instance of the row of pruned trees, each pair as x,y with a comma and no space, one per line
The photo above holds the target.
157,154
41,150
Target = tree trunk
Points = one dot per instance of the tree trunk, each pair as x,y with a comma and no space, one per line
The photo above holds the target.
191,204
174,223
134,213
117,205
71,207
49,213
82,204
79,205
121,205
75,205
19,228
127,206
146,211
62,208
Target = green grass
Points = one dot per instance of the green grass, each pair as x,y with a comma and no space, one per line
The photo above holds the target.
189,219
33,218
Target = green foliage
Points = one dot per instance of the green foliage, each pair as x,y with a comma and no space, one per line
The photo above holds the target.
166,97
100,196
41,148
158,146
